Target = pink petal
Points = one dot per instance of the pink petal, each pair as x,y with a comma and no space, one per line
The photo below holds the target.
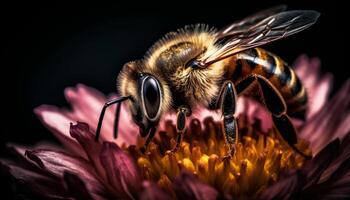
151,191
199,113
318,96
300,66
317,88
307,69
325,126
187,186
85,137
256,111
57,163
58,122
202,113
121,169
245,106
87,104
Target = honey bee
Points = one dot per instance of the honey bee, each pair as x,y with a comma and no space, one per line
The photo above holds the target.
198,65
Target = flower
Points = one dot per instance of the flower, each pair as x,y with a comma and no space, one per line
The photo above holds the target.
263,166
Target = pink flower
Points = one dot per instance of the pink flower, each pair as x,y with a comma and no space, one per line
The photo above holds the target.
263,167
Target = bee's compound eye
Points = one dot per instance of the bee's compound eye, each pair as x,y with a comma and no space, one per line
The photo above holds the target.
151,96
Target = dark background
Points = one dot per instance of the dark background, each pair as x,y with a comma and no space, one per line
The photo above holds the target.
51,46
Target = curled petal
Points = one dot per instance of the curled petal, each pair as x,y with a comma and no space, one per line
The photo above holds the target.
57,163
85,137
152,192
19,152
121,169
187,186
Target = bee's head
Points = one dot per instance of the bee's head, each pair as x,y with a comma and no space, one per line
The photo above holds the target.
150,96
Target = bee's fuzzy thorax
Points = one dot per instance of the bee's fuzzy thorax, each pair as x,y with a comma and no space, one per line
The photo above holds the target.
195,85
201,35
198,86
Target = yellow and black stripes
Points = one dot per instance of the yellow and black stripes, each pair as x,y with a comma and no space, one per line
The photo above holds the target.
273,68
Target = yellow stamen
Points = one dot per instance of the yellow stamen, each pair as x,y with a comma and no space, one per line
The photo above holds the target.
258,160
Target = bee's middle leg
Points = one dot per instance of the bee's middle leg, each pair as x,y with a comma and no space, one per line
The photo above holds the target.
228,99
182,113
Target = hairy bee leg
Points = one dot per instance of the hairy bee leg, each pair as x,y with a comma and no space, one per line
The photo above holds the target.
180,125
271,97
151,134
276,105
178,142
288,132
228,108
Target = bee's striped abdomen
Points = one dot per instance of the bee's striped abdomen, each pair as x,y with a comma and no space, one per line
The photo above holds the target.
259,61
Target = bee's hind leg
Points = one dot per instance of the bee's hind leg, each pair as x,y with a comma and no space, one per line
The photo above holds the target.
182,113
276,105
228,99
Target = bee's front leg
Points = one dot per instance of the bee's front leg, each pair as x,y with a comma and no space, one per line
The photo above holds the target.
182,113
151,132
228,99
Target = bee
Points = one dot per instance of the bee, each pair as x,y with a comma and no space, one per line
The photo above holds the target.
198,65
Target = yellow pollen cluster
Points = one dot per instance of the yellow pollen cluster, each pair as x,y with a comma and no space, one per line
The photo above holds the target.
258,160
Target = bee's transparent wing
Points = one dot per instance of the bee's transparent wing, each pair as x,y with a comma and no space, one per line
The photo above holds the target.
267,30
241,25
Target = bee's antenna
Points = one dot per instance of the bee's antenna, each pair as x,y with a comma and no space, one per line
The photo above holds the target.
116,122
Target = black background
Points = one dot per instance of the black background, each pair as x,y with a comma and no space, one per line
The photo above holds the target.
51,46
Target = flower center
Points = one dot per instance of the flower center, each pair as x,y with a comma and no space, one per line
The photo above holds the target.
258,160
